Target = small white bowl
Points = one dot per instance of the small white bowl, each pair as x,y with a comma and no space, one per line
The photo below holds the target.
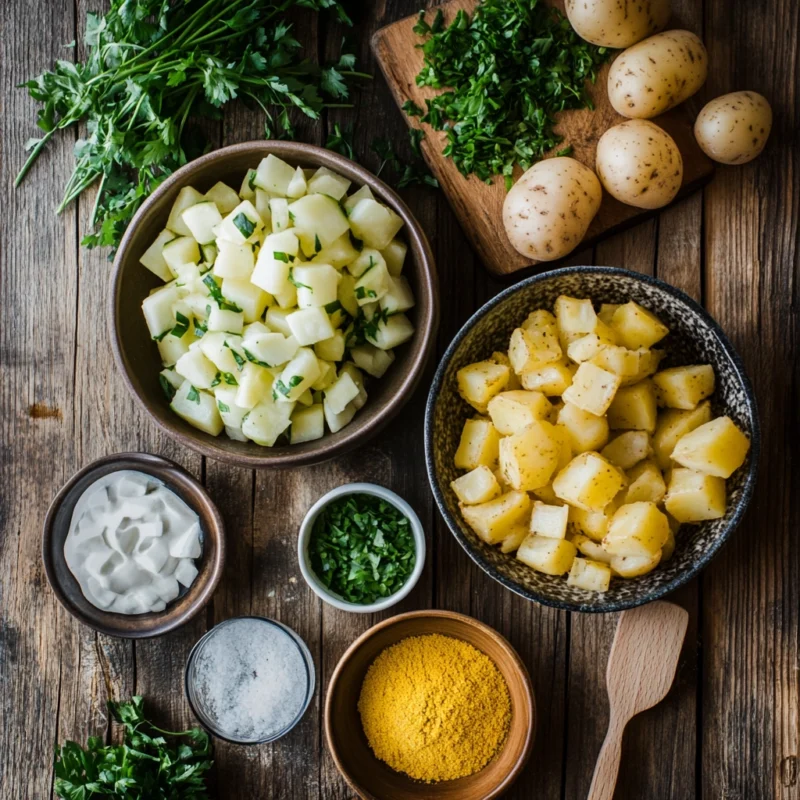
305,536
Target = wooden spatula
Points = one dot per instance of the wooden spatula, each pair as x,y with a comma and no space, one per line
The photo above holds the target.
641,668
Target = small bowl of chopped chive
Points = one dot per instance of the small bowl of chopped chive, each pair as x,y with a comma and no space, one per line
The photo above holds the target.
361,548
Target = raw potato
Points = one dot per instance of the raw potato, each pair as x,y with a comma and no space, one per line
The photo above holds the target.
657,74
716,448
693,496
548,210
639,164
493,521
734,128
617,23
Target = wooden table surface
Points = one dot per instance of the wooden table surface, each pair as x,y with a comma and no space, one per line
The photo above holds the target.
728,729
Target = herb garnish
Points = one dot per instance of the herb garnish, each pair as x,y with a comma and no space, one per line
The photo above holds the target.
216,293
284,257
362,548
223,407
193,395
296,283
254,360
168,389
341,141
244,225
281,387
183,325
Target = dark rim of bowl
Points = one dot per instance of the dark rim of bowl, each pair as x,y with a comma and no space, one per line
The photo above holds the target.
747,490
308,663
427,327
143,461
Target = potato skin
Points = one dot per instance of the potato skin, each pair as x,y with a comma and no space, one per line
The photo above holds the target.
617,23
657,74
639,164
548,210
734,128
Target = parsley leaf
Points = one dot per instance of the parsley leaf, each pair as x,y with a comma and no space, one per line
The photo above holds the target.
296,283
244,225
193,395
341,141
216,294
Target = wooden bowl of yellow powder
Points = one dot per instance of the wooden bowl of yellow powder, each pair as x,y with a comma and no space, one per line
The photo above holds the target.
430,704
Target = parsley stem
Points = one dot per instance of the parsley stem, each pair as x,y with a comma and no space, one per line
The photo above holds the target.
32,157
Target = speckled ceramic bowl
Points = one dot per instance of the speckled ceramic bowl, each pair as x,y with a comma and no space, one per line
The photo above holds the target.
694,338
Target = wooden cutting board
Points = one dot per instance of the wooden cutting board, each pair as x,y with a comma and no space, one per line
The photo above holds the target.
478,205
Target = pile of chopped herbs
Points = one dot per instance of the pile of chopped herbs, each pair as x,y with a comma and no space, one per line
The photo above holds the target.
146,766
507,70
362,548
152,66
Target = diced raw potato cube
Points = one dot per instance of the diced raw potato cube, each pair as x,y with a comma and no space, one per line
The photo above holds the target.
223,196
551,556
502,358
593,524
606,333
279,214
637,529
297,187
646,483
234,260
590,575
181,250
275,259
669,546
327,182
187,196
327,376
695,496
606,312
298,375
153,257
247,191
225,320
201,219
586,431
252,300
366,260
333,349
478,383
540,319
321,217
275,318
310,325
493,520
479,445
196,368
267,421
375,224
619,360
213,347
338,421
648,364
589,482
243,224
171,377
590,548
358,378
317,284
271,349
338,254
634,407
347,295
532,349
274,175
634,566
171,348
673,424
628,449
391,332
592,389
550,521
716,448
373,284
516,536
551,379
351,201
189,279
372,360
585,348
684,387
340,393
307,398
308,424
255,385
528,459
395,255
513,411
232,414
477,486
637,327
198,408
157,309
574,317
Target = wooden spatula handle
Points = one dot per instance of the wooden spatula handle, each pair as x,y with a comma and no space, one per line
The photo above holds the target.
607,768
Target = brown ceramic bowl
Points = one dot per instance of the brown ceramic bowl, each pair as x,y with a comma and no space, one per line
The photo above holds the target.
137,356
372,779
209,565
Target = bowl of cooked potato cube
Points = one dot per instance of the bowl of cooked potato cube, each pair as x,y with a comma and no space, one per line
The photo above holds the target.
591,438
273,304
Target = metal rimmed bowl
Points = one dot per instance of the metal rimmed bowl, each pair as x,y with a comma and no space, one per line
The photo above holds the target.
137,355
695,338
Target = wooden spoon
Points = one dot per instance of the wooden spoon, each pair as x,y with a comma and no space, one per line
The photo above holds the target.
641,668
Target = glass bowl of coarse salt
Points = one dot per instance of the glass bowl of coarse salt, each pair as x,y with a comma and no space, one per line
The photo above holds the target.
249,680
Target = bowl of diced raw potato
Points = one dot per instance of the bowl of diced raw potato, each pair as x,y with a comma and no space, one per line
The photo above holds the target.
591,438
273,304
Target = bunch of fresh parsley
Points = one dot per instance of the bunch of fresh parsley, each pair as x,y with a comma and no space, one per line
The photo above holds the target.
144,767
154,64
507,70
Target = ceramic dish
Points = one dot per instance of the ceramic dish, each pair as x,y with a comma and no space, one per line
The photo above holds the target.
179,611
305,535
694,339
136,354
370,778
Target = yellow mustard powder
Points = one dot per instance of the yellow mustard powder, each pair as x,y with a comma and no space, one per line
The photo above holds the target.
434,707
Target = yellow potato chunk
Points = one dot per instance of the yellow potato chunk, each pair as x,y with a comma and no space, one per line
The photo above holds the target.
528,459
593,524
634,566
628,449
530,349
516,536
637,327
591,549
550,521
646,484
684,387
589,482
512,412
634,408
477,486
479,445
586,431
551,556
694,496
669,547
565,452
586,348
637,529
478,383
672,425
540,319
574,315
648,364
547,495
619,360
502,359
493,521
590,575
717,448
552,379
606,312
592,389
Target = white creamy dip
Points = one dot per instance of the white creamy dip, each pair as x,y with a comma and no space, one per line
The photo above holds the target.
132,543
